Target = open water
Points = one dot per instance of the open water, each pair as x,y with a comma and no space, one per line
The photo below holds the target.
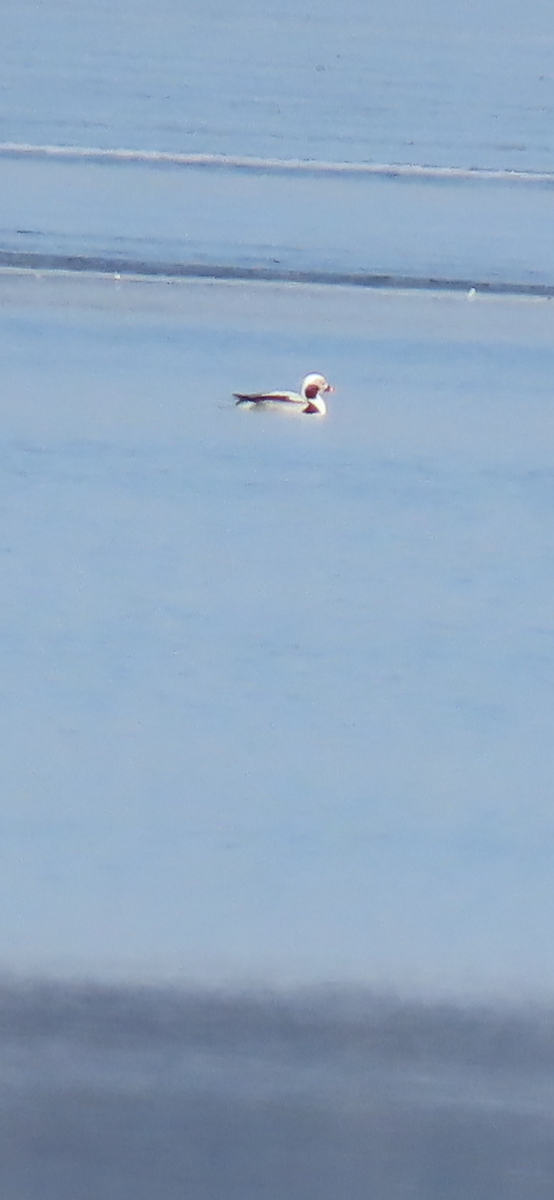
276,854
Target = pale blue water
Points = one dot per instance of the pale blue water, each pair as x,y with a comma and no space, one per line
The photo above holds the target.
151,216
276,695
443,84
451,86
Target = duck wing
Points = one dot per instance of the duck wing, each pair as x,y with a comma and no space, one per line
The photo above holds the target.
259,397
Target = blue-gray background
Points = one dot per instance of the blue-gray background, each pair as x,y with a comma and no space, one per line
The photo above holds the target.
276,697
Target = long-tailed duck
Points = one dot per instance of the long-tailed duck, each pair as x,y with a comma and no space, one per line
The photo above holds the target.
308,400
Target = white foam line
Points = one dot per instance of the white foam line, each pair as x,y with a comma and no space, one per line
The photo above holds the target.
281,165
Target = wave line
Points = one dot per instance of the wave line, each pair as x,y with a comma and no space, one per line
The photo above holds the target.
236,162
23,261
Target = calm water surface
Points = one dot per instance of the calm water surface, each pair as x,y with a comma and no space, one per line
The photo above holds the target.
450,86
276,693
455,84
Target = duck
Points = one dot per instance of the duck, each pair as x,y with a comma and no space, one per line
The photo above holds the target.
310,398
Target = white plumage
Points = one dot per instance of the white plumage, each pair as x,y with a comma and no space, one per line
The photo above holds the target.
310,398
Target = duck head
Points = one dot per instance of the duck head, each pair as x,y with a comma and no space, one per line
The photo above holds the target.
313,390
